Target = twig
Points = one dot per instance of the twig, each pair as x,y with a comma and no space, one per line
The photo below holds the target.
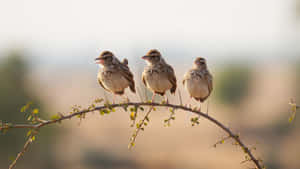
140,126
20,154
210,118
221,141
171,117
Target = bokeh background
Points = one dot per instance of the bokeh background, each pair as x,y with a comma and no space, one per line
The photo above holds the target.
252,47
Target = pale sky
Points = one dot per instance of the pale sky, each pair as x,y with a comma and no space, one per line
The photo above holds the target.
55,24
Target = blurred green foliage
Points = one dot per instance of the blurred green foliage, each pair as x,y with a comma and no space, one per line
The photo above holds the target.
13,95
232,84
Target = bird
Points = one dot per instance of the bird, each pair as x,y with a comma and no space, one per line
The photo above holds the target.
114,76
198,81
158,76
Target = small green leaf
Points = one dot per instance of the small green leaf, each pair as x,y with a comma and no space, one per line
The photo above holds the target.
98,100
131,109
101,112
29,133
55,117
132,116
131,145
12,158
25,107
106,111
35,111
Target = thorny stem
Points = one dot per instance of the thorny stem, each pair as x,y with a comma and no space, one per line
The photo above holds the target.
221,141
210,118
171,117
138,129
20,154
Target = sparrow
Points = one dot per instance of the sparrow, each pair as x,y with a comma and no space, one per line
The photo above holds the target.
158,76
198,81
114,76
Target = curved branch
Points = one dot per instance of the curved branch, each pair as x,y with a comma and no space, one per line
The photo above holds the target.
79,113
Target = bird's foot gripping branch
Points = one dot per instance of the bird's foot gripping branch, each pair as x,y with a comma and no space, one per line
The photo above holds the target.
35,123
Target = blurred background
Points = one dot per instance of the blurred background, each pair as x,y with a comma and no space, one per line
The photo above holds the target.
47,51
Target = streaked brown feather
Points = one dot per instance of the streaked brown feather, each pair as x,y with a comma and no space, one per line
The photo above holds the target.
208,78
99,81
124,70
172,78
143,79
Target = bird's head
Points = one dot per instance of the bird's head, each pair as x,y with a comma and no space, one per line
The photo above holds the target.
152,57
105,58
200,62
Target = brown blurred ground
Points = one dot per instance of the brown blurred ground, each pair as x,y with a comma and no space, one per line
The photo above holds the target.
101,141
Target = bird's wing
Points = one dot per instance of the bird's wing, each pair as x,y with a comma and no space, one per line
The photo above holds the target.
101,84
143,79
209,80
125,72
171,77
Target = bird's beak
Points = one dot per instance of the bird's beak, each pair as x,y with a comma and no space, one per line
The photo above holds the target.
99,61
145,57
